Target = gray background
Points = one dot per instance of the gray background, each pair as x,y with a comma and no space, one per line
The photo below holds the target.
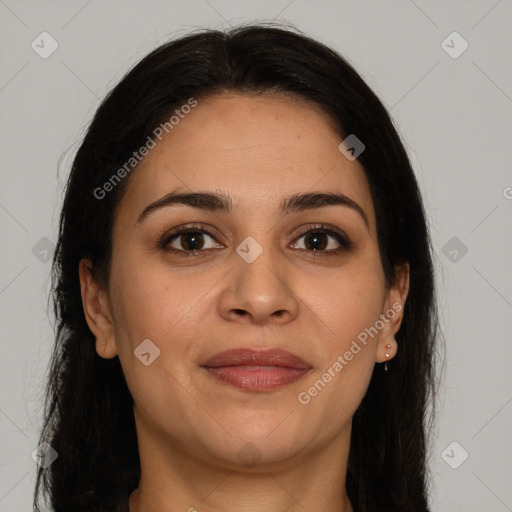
454,114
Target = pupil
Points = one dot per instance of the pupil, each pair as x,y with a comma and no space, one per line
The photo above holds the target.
317,239
191,239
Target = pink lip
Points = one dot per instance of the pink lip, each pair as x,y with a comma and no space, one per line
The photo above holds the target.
254,370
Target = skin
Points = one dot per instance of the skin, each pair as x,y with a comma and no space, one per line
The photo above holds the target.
190,425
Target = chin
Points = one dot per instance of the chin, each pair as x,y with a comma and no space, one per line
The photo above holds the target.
251,446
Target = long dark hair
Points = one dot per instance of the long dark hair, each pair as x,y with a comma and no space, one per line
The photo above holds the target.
89,417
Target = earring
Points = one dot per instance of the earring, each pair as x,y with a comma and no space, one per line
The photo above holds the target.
387,355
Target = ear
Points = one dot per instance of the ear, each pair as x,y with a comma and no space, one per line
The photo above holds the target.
97,310
393,314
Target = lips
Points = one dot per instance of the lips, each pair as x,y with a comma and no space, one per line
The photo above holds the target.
247,356
253,370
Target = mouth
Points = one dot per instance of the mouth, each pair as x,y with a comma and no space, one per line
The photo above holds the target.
254,370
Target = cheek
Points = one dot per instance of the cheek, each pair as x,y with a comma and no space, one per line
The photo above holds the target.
152,305
337,387
348,302
346,310
150,301
169,309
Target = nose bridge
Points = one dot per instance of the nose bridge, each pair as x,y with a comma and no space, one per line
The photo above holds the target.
259,282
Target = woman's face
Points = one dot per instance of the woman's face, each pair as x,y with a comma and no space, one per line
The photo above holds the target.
255,281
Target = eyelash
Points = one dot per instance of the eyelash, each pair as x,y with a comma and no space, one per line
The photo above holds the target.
341,238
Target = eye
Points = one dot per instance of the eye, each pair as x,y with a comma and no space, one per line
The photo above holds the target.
316,239
187,241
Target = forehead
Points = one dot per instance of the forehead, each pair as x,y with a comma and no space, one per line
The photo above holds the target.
258,149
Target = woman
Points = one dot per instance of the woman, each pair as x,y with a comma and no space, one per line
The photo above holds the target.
244,290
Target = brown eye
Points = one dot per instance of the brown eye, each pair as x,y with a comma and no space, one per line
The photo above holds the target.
318,239
188,240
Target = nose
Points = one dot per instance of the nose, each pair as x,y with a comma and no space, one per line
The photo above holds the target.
260,292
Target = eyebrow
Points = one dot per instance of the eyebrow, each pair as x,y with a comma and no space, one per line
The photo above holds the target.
220,202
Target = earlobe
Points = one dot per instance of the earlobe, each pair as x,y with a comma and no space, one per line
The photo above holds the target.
393,315
96,310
